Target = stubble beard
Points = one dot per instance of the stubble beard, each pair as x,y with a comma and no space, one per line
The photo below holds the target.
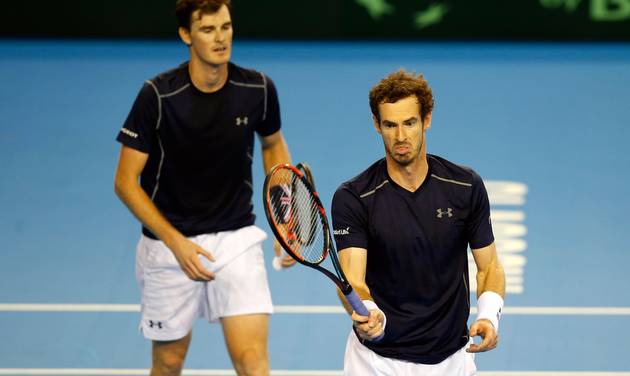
402,159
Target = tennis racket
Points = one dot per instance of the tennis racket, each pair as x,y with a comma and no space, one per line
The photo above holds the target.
306,170
298,220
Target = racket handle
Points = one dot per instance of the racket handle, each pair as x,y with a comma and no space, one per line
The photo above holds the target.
358,306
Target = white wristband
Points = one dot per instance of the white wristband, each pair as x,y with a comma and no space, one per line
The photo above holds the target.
277,260
370,305
277,263
489,306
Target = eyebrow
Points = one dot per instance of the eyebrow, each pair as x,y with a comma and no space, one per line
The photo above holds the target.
388,123
411,120
214,26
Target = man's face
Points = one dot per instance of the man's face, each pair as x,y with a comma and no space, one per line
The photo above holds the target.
210,36
402,129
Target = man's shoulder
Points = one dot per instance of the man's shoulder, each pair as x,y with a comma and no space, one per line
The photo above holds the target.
445,170
366,182
247,76
171,80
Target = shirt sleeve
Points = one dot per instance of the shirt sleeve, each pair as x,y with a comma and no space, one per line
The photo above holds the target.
479,225
271,122
139,130
349,218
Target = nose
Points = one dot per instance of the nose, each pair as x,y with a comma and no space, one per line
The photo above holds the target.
400,133
219,36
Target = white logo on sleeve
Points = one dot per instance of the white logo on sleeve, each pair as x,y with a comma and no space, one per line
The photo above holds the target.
343,231
129,133
441,213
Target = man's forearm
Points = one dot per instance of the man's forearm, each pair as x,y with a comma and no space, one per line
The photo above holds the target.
491,278
141,206
275,154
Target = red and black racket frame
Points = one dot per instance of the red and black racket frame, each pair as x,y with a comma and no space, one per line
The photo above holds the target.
339,279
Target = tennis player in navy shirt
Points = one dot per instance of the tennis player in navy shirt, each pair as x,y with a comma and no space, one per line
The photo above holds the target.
403,227
185,171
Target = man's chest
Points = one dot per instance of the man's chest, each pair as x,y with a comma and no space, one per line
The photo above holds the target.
215,123
433,221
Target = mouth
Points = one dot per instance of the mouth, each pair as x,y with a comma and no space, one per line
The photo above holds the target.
402,148
220,49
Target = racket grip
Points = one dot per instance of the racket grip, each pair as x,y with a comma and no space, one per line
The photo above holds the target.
358,306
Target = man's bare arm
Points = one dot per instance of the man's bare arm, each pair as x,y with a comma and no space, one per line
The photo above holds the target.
275,151
353,263
131,162
490,280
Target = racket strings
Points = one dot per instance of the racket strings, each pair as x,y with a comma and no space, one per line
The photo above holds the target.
297,216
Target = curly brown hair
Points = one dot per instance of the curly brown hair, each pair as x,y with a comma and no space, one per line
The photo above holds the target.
398,85
185,8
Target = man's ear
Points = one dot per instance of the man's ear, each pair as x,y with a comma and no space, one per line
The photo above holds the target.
426,122
377,124
184,34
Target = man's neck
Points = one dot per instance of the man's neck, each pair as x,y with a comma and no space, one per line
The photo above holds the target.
207,78
410,176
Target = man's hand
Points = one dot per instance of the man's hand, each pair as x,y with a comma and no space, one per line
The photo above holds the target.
369,327
487,332
286,261
187,254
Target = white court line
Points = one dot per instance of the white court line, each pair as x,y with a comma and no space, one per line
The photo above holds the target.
69,308
312,309
227,372
551,373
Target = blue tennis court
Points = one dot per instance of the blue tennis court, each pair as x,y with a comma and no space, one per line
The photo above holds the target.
546,125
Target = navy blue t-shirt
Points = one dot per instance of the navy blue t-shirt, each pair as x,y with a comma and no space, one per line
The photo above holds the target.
200,146
417,263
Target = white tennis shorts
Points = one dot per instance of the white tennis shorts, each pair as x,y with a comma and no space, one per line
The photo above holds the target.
171,302
361,361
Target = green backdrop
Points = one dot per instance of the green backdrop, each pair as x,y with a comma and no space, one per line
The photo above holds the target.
333,19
